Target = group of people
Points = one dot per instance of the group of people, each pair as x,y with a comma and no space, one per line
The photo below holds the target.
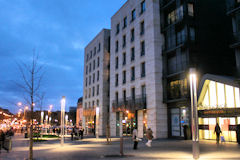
4,135
77,132
149,136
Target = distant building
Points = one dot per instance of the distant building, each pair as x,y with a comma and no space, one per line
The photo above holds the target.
72,115
96,83
79,113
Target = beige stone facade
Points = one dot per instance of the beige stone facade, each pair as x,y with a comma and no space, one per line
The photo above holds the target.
141,19
96,84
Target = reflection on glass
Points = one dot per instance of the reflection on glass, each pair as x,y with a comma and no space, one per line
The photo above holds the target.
213,96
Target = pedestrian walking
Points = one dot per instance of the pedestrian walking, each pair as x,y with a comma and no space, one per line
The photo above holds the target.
218,132
2,139
149,137
135,138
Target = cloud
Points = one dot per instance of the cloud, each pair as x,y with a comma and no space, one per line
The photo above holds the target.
78,45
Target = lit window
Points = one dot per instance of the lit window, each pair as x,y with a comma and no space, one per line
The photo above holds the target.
220,95
190,9
237,97
213,96
229,96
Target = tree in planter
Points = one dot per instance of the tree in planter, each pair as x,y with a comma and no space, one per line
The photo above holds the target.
32,75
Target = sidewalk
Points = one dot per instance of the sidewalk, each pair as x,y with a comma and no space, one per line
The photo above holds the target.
92,148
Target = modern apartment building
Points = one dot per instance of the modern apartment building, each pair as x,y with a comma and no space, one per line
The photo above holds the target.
233,8
196,34
136,92
96,84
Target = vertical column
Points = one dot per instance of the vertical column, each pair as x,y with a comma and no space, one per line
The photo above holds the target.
140,123
121,124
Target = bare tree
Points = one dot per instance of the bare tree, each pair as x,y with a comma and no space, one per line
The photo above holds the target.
32,75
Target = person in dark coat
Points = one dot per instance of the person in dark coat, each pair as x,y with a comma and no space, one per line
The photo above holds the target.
2,139
218,132
238,133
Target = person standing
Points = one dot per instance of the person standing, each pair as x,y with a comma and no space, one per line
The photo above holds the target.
218,132
149,137
135,138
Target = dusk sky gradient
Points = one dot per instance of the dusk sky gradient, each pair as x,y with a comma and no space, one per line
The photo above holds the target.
58,30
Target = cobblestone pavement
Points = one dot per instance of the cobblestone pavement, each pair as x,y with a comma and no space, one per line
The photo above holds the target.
91,148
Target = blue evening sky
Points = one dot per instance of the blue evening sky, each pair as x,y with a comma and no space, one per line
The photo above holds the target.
58,30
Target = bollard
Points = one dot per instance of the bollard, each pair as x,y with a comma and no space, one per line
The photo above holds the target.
121,146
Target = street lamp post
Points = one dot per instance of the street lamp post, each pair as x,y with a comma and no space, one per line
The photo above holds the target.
63,101
97,122
194,114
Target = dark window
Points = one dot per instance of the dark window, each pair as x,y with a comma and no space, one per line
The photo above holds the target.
116,46
90,54
95,51
133,93
143,88
181,37
99,47
98,61
85,94
87,57
143,69
117,28
124,22
93,91
93,77
177,62
97,75
142,48
143,6
90,79
116,97
124,41
86,70
142,28
124,59
132,54
133,15
97,102
90,67
116,63
86,82
93,65
124,77
97,90
124,95
116,80
132,73
89,95
93,103
132,35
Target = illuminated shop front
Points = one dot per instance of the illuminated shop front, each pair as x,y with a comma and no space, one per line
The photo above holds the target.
218,103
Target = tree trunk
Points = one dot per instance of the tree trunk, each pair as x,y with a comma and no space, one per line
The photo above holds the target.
31,135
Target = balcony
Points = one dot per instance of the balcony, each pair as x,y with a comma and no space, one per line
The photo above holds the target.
236,41
166,3
130,104
232,6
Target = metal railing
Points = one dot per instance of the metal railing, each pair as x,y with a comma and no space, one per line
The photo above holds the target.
129,103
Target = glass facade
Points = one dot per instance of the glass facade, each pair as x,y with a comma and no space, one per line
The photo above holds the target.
217,99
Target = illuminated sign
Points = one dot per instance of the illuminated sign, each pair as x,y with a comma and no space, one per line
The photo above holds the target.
223,112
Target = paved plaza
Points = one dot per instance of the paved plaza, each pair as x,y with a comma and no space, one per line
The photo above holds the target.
92,148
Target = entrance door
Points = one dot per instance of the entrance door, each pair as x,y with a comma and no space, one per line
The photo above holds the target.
224,124
175,122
